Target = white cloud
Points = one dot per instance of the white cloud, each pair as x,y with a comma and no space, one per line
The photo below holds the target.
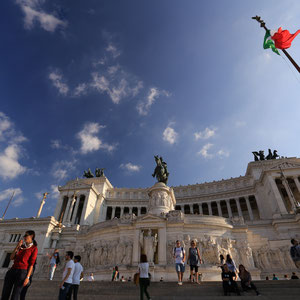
111,48
62,169
54,193
10,139
8,132
9,164
57,81
223,153
17,199
5,125
143,107
205,134
34,13
170,135
130,167
55,144
204,151
90,141
80,90
117,86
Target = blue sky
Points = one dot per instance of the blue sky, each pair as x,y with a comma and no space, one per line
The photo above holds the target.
112,83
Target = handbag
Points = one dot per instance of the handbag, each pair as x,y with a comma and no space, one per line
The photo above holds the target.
136,278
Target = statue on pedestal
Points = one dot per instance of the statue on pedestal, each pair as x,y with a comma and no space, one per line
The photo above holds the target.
148,244
161,171
99,172
88,174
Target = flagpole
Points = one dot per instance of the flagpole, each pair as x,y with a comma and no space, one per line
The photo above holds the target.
8,205
263,25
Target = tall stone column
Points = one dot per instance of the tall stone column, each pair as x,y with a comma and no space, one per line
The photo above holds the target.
130,210
76,209
249,208
279,200
228,208
162,242
70,209
66,213
113,212
219,208
200,209
136,248
289,192
192,209
122,211
139,211
209,208
237,200
296,180
86,200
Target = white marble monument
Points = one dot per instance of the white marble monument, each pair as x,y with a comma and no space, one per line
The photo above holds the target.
252,217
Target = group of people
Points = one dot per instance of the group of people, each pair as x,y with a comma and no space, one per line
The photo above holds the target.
72,275
19,277
229,270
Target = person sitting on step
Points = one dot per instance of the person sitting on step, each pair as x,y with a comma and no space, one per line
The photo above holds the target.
246,280
229,281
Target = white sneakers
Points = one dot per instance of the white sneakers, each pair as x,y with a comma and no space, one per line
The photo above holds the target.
179,282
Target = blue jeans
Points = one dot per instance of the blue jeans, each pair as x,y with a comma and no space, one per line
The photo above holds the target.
180,268
64,291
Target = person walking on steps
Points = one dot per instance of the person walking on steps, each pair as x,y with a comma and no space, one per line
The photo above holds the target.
24,257
77,277
66,282
295,252
54,261
194,259
144,280
179,256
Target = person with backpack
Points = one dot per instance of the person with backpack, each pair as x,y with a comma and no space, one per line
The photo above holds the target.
295,252
54,261
193,260
179,256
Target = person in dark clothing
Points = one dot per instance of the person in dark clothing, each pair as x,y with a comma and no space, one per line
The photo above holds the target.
229,281
24,257
246,280
295,252
294,276
193,260
25,288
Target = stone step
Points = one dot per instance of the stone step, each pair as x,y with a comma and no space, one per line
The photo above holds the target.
275,290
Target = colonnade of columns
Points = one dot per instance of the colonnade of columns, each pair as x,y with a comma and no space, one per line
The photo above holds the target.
222,208
72,208
118,211
291,186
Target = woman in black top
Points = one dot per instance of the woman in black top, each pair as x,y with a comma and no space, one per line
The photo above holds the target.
229,283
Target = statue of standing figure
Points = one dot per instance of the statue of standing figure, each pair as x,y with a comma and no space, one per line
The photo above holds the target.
148,244
161,171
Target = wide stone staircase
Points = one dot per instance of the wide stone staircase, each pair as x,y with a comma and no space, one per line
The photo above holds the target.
275,290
